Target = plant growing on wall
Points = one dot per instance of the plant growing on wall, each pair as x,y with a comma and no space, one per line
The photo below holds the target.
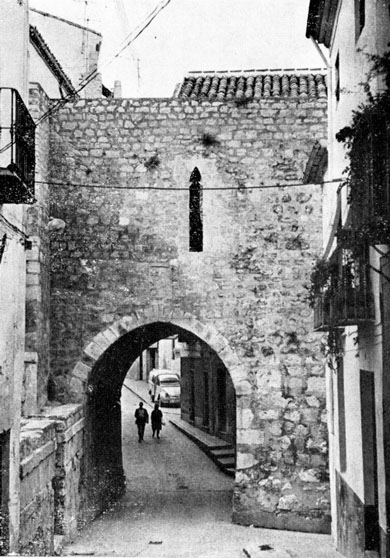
367,177
322,277
208,140
153,162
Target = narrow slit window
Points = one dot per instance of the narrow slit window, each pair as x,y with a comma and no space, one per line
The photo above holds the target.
196,212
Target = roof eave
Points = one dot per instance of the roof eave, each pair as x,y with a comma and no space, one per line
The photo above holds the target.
51,61
321,20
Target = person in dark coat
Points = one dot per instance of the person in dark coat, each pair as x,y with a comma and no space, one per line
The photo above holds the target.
156,421
141,418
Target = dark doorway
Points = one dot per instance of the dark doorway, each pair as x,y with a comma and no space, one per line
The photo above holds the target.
370,471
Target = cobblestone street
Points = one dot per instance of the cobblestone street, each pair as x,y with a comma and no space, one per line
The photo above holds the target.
178,504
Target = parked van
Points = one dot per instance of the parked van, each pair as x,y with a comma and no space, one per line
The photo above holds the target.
164,387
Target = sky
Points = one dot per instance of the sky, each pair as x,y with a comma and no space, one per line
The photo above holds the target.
191,35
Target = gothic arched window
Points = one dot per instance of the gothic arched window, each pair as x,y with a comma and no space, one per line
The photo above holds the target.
196,213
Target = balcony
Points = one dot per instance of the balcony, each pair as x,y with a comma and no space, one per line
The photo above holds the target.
344,298
17,149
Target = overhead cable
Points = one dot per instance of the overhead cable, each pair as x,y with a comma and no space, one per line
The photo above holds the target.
92,75
175,188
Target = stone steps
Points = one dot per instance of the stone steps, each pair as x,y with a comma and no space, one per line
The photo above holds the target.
222,453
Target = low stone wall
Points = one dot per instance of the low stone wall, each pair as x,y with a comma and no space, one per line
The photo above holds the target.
50,471
37,470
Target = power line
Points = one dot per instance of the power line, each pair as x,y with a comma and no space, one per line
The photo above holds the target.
131,37
185,189
92,75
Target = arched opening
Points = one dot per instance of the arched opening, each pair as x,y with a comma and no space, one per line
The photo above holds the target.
208,401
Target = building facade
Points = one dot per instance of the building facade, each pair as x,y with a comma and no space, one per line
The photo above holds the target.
16,183
351,282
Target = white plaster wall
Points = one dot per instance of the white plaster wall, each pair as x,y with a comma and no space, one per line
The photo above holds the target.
164,351
354,66
331,395
14,45
41,73
353,426
12,305
13,73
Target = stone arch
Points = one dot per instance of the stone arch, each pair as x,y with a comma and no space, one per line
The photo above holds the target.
97,379
82,372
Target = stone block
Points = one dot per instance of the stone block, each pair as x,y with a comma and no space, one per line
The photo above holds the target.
76,390
250,437
244,418
93,350
288,502
316,386
82,371
245,460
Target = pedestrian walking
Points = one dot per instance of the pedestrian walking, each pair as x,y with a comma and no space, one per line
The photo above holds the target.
141,419
156,421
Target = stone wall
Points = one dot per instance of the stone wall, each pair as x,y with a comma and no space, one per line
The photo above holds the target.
38,281
51,495
125,167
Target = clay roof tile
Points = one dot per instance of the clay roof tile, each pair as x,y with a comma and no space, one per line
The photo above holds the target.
225,86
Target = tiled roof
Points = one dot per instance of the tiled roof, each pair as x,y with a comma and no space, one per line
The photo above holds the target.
228,86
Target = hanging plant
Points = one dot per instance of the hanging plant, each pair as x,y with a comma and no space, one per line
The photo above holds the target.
367,142
322,279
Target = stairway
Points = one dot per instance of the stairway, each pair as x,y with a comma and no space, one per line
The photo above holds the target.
222,453
224,457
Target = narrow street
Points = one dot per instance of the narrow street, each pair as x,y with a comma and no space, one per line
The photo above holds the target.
178,504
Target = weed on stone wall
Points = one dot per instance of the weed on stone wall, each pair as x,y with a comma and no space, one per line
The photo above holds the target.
153,162
209,140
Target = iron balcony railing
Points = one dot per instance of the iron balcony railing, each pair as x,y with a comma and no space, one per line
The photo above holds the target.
345,298
17,149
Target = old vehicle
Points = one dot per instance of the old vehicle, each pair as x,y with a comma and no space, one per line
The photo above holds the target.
164,387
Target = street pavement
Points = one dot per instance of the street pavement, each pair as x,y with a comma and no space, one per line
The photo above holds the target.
178,505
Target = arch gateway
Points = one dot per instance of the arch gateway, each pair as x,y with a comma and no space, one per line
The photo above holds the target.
123,266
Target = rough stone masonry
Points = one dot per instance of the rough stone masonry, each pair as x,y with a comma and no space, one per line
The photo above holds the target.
120,170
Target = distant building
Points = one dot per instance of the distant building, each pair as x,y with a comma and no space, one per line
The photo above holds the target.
76,47
165,353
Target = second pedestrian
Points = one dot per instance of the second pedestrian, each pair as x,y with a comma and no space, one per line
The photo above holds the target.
156,421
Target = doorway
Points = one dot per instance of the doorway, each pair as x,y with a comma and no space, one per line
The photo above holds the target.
370,469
